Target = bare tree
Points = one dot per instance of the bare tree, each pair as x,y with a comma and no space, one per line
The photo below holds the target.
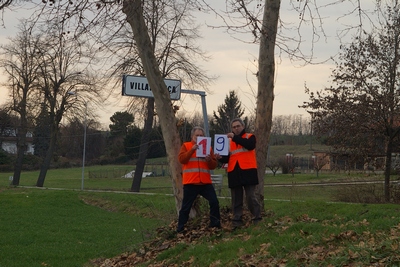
100,17
170,25
134,11
20,66
45,65
290,125
262,24
262,20
65,80
274,165
320,161
172,36
5,3
265,92
360,114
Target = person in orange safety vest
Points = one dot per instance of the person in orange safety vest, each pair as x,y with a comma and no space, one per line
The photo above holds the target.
196,179
242,172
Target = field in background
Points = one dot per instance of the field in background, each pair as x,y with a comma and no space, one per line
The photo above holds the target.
304,186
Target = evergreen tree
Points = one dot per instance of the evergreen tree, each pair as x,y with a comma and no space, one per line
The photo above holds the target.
120,122
232,108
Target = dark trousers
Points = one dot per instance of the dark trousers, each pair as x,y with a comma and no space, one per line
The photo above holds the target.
237,194
190,193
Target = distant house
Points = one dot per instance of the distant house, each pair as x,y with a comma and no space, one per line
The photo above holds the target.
322,160
9,142
330,161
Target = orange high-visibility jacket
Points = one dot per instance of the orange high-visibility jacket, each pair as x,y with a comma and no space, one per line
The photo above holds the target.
245,157
196,171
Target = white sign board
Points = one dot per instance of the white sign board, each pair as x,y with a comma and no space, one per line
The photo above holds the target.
139,86
204,144
221,144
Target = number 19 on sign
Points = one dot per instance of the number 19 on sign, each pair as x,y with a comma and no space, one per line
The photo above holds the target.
204,144
221,144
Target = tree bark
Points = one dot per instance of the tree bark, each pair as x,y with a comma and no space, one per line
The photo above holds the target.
134,12
21,137
21,149
265,94
55,119
388,164
49,155
144,146
21,134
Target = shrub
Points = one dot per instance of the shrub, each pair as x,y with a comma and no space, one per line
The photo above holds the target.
121,159
361,193
31,162
5,158
6,168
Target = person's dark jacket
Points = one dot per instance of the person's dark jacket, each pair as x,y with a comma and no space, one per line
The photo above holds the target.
239,177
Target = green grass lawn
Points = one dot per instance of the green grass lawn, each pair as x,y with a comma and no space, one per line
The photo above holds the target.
299,233
302,226
67,228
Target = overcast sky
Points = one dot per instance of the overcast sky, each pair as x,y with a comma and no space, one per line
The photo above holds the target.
234,63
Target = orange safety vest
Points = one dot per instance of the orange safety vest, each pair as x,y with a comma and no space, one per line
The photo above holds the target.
245,157
196,171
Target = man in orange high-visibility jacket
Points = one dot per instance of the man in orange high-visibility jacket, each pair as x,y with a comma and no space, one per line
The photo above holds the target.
242,172
196,178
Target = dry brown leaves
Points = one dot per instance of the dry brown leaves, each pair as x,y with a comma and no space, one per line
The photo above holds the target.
166,238
380,248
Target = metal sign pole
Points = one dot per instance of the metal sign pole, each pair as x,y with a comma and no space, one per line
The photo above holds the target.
204,106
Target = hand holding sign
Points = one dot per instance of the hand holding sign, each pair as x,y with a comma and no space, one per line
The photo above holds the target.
204,144
221,144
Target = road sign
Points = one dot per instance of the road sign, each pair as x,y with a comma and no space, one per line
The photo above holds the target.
139,86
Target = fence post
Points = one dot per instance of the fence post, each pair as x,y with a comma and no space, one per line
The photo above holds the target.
217,180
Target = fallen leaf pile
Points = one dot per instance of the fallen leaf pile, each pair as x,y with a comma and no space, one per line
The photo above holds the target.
167,237
355,248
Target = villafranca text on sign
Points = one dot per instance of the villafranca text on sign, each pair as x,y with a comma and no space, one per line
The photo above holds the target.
146,87
139,86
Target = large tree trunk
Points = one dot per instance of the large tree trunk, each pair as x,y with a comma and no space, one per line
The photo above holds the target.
21,138
144,146
265,94
388,165
49,155
21,149
134,12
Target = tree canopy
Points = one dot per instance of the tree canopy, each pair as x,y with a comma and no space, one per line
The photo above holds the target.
360,113
121,120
